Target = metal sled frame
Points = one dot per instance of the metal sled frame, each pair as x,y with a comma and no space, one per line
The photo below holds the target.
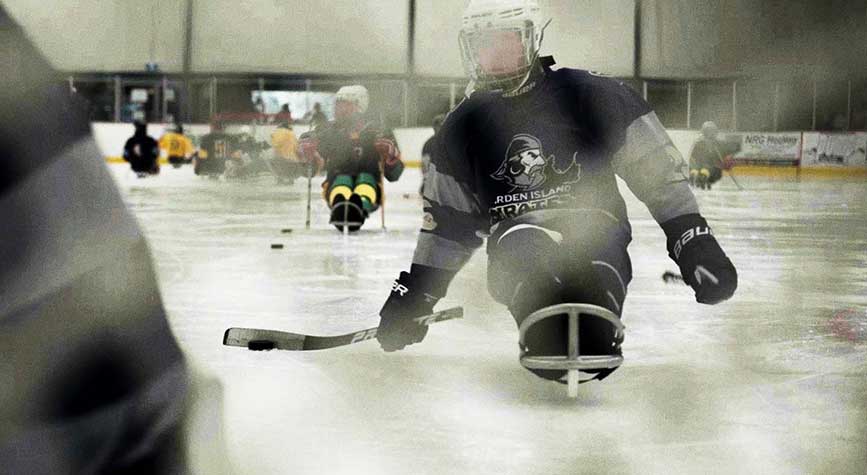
572,362
346,223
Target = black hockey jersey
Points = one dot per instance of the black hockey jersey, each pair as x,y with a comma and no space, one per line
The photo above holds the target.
350,148
540,156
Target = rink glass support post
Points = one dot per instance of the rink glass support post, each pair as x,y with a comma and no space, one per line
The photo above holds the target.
213,91
572,362
735,105
165,98
848,105
118,98
776,106
689,104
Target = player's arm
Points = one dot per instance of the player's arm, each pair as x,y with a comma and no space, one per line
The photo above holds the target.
652,167
308,145
447,240
386,146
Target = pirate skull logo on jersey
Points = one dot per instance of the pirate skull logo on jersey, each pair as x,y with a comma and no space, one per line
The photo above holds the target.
526,166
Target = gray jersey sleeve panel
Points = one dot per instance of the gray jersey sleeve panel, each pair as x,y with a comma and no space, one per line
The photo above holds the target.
436,251
653,168
670,201
60,222
447,191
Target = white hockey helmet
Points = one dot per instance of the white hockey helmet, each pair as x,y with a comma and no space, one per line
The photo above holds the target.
500,41
709,130
356,94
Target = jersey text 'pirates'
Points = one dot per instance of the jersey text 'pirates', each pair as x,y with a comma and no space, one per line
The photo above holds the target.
542,156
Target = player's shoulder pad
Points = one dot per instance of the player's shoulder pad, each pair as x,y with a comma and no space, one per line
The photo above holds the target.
601,91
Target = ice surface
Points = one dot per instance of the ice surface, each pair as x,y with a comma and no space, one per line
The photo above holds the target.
774,381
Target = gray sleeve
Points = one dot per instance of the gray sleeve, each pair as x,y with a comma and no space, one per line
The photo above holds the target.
652,167
451,218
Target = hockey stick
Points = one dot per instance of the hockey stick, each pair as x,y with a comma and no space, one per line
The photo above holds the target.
382,193
671,277
732,176
258,339
309,192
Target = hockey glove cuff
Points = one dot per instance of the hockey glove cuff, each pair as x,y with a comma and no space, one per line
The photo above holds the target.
702,262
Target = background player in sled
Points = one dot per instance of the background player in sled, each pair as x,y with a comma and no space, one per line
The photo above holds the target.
214,151
176,146
284,161
357,153
529,160
142,152
709,157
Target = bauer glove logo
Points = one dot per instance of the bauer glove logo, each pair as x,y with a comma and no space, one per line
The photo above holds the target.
688,236
399,288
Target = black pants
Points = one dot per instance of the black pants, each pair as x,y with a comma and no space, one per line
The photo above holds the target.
583,260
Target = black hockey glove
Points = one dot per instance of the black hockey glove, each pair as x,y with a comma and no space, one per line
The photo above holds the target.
702,262
413,294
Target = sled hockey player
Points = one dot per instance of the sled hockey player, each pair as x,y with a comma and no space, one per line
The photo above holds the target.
284,161
356,155
176,146
244,159
214,151
142,152
528,160
709,157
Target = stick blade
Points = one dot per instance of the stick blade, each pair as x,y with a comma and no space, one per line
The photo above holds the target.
259,339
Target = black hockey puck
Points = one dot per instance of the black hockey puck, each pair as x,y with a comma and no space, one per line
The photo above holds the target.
276,246
286,230
260,345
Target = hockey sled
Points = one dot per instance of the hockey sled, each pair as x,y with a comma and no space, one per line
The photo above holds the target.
347,215
573,362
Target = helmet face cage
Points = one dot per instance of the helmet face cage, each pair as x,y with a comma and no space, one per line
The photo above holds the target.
473,39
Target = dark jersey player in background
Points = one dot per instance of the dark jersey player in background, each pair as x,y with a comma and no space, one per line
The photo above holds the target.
529,161
357,154
142,152
215,149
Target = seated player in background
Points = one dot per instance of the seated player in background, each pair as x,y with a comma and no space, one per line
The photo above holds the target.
529,160
284,161
709,157
142,152
176,146
356,153
245,158
213,152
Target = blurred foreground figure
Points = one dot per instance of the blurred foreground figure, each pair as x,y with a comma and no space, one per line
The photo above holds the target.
93,381
529,161
357,153
142,152
709,157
